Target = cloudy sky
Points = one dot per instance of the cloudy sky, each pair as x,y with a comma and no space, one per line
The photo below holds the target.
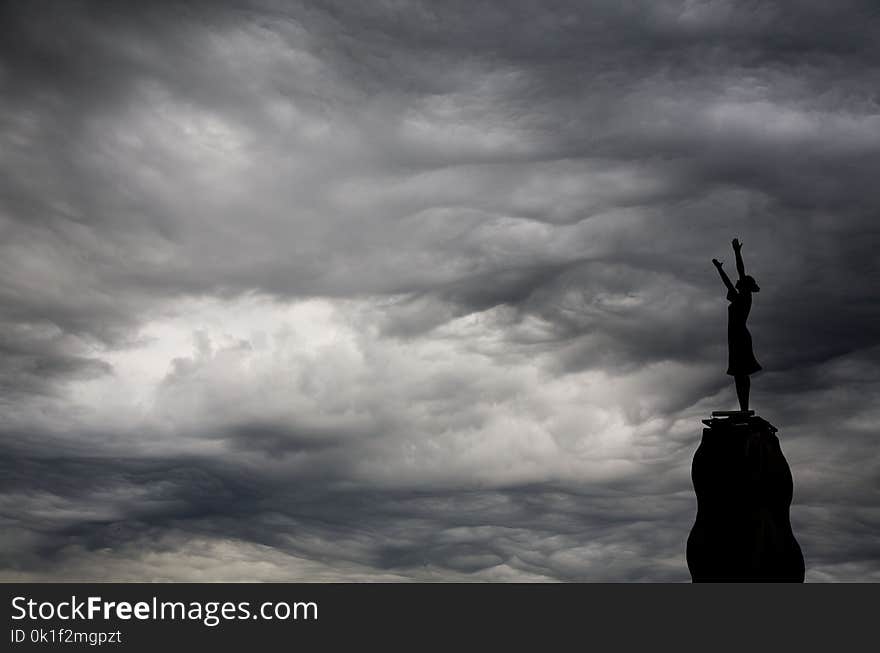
422,291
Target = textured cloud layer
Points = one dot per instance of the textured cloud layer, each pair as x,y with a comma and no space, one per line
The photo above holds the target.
421,290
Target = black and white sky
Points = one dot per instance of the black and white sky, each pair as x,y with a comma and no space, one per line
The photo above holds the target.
422,290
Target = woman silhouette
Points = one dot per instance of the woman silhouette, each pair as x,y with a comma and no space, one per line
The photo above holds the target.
741,359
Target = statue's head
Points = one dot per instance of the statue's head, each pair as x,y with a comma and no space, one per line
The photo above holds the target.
748,283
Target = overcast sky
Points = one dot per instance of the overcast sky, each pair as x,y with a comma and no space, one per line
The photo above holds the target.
401,290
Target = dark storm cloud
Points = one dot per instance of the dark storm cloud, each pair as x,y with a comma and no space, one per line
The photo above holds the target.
556,533
88,504
564,171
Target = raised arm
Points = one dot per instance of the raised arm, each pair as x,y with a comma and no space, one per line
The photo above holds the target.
740,266
723,274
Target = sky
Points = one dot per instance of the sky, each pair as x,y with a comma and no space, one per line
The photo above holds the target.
340,291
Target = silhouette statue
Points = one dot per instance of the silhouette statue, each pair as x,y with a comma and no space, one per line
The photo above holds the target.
742,481
741,359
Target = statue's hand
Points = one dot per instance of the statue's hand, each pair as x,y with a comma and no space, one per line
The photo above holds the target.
717,263
736,244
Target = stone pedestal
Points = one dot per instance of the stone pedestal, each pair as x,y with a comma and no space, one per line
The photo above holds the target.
744,491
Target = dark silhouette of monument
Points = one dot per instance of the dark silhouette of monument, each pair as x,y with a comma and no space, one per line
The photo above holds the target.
742,481
741,361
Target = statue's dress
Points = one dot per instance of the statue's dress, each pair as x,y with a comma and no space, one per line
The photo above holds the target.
741,358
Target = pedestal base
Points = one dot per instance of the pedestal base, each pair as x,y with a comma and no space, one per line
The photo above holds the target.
744,491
